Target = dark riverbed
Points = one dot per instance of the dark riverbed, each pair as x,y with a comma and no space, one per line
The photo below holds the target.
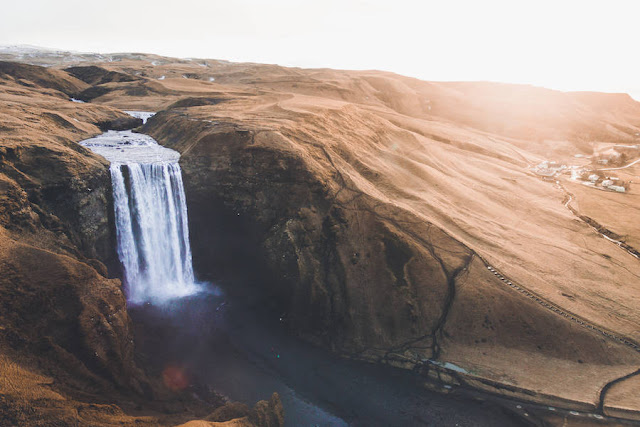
247,355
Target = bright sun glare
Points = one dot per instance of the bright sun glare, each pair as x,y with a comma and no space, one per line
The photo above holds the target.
567,45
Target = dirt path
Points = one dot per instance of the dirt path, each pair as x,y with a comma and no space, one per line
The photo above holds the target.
621,167
601,230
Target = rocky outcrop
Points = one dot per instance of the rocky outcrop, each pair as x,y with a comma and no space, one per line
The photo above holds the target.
122,123
265,413
75,206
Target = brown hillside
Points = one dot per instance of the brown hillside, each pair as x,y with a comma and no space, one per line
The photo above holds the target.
399,220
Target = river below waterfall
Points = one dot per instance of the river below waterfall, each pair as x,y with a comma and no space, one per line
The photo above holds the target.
244,352
235,346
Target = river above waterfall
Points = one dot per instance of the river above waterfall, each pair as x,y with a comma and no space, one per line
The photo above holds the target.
129,147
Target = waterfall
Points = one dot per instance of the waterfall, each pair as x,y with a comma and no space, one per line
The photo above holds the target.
152,230
151,216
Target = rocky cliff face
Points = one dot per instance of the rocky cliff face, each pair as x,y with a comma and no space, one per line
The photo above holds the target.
350,268
61,314
56,236
338,265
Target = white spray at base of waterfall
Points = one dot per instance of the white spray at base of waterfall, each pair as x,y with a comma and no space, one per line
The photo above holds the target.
152,231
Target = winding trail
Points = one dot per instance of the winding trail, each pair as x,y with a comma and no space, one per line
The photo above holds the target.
621,167
630,250
566,314
590,222
523,290
609,385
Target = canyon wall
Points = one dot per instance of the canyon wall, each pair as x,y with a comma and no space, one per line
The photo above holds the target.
350,268
62,316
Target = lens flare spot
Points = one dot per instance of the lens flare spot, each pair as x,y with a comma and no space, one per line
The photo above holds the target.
175,378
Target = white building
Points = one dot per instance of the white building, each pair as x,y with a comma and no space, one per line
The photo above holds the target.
607,182
593,178
617,188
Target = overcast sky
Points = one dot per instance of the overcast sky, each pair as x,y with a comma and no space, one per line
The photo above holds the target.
562,44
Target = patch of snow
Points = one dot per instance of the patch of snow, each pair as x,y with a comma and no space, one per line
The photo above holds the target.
26,49
161,78
211,79
76,100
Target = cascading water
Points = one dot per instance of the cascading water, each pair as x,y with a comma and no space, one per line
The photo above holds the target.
151,216
152,230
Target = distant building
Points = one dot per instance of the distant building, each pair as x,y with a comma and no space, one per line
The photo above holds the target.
617,188
577,173
593,177
607,182
545,172
548,169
